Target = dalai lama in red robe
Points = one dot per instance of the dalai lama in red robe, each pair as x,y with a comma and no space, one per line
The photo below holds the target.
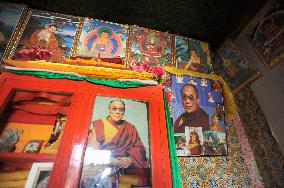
122,139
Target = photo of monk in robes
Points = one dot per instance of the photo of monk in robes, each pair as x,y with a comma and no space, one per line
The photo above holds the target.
117,140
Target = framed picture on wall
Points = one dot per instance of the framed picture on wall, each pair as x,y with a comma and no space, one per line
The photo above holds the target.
120,133
235,68
12,16
197,110
267,36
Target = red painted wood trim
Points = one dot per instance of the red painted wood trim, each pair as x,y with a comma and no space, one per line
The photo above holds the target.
68,161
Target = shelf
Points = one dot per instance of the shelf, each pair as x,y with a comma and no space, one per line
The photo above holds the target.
26,157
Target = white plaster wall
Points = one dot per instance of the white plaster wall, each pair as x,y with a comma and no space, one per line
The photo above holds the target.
269,89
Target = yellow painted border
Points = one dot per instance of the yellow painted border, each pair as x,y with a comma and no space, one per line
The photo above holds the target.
91,71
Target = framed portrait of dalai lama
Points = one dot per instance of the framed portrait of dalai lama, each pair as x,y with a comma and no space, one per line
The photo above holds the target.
122,136
119,137
197,110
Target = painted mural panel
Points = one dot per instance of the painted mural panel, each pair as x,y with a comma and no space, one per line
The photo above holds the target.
46,36
192,55
102,39
10,15
151,47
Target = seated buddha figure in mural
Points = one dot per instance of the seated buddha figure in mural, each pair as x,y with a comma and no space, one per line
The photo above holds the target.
150,44
194,63
45,39
102,45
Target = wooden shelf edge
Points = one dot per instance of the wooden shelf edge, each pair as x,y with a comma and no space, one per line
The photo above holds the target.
27,157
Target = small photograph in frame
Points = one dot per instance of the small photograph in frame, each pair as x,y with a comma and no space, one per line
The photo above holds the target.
11,17
33,146
192,54
105,40
235,68
46,36
39,175
119,137
197,106
150,46
267,36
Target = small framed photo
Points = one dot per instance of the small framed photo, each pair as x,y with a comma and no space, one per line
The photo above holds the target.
39,175
33,146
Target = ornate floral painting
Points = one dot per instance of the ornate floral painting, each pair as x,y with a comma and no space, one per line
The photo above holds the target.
46,36
10,16
149,46
197,110
238,70
267,37
192,54
102,39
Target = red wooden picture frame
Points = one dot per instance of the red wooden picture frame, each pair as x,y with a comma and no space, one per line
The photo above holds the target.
69,159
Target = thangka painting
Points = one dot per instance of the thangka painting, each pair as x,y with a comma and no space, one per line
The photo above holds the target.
234,67
46,36
102,40
151,47
192,54
197,110
267,37
10,16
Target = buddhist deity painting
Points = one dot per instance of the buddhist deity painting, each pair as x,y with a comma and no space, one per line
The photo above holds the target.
102,40
118,136
197,110
234,67
267,37
192,54
46,36
10,15
151,47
